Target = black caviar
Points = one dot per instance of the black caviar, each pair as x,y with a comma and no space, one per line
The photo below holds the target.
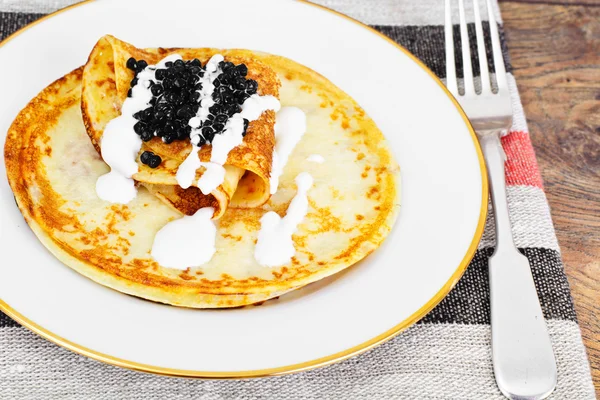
176,100
150,159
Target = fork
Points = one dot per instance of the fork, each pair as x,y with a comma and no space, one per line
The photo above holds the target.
523,360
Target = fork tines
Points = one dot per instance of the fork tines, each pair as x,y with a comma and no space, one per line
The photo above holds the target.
469,85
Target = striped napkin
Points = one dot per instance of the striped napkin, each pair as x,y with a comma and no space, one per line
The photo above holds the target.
447,355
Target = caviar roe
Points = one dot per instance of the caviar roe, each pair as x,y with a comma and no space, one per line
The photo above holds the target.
175,100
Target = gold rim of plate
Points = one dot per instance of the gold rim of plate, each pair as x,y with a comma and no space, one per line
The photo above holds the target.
307,365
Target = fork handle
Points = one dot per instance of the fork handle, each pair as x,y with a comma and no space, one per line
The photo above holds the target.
523,359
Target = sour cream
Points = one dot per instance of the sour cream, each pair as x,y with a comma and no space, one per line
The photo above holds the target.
232,137
222,144
290,126
275,246
186,242
120,144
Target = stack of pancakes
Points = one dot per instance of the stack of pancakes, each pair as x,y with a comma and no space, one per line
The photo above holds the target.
52,162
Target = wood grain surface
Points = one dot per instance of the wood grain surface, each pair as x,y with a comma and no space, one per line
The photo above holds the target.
555,51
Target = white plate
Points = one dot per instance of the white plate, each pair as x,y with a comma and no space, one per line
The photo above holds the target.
444,198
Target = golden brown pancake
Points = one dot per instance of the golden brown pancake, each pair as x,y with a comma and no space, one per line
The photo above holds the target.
105,84
53,166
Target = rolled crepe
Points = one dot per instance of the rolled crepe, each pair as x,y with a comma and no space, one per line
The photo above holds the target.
105,83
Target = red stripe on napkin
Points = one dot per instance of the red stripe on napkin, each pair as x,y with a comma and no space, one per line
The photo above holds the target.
521,166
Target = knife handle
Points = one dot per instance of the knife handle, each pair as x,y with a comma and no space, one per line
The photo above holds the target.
523,359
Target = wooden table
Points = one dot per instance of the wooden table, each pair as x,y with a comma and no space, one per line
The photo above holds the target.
555,51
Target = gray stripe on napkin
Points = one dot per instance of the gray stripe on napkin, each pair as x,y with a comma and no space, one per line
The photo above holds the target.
5,321
425,42
428,361
11,22
428,43
469,301
382,12
405,12
34,6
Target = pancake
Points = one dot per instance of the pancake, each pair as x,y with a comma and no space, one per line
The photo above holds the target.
53,166
106,81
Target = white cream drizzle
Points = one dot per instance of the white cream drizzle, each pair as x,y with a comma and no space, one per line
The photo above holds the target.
213,176
187,170
290,126
275,246
186,242
190,241
211,73
222,144
120,144
232,137
316,158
